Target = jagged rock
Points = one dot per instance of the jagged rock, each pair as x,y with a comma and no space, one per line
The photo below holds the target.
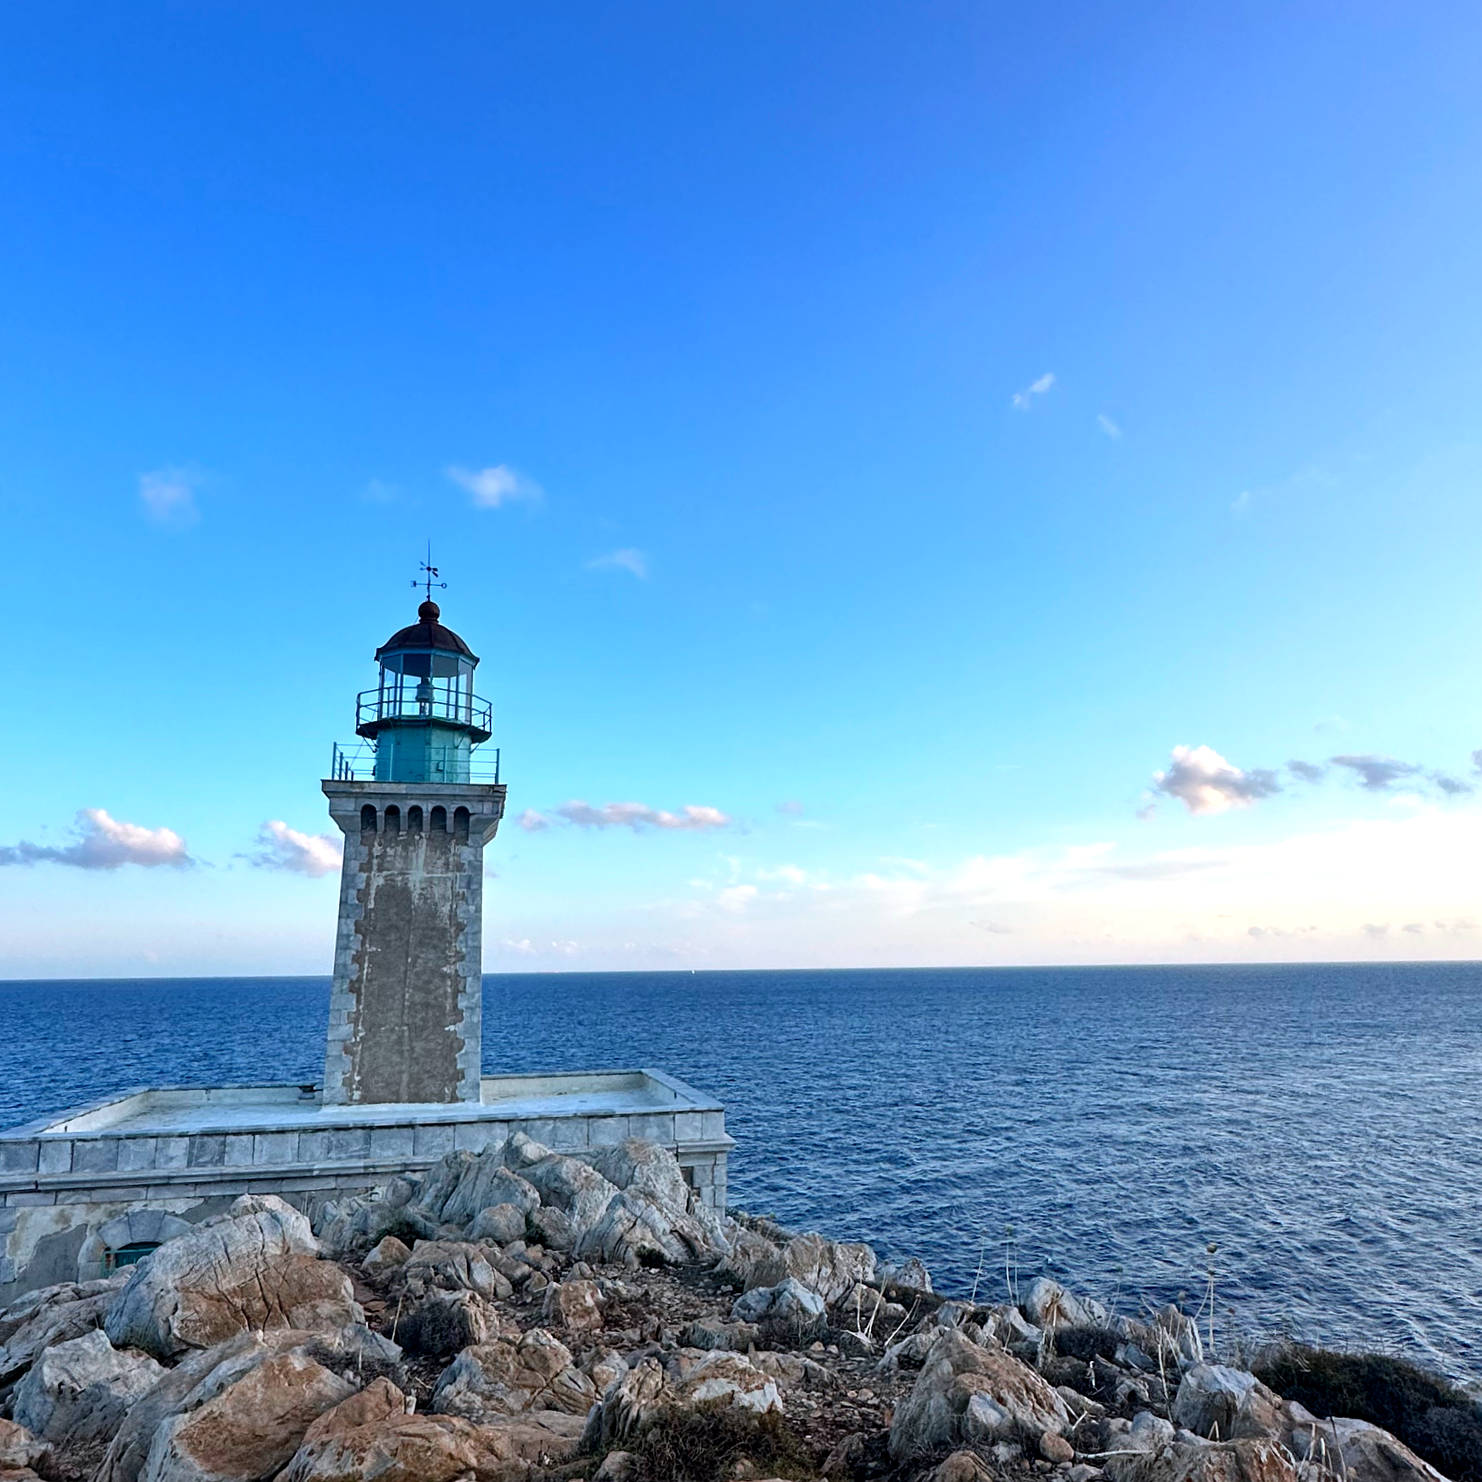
729,1377
1353,1450
635,1229
379,1401
1225,1404
452,1265
388,1254
827,1267
445,1322
247,1430
627,1404
862,1309
483,1183
706,1333
913,1275
552,1227
431,1448
1150,1432
715,1378
910,1353
19,1449
80,1390
1177,1334
509,1375
43,1319
748,1251
566,1183
574,1305
603,1366
961,1466
969,1395
792,1369
500,1223
1228,1461
617,1466
787,1312
645,1167
850,1453
1047,1303
254,1270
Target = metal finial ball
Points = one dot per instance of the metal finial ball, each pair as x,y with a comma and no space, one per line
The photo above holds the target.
429,611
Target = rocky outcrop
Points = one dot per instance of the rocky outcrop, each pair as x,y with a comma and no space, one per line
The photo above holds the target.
969,1395
511,1375
257,1269
53,1315
1224,1404
79,1391
20,1450
1227,1461
827,1267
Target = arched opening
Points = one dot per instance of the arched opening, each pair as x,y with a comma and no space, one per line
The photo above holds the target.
414,819
460,824
128,1255
439,823
368,819
393,819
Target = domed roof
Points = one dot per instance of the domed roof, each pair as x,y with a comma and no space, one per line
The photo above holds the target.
426,633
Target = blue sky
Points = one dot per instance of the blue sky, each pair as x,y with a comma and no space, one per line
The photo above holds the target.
894,428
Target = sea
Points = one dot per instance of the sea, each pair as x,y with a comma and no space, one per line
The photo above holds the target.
1289,1149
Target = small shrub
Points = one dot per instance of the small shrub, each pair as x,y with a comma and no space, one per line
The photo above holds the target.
1434,1418
1086,1343
702,1444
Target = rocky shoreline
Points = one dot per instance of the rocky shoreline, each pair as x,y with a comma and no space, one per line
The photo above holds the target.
520,1313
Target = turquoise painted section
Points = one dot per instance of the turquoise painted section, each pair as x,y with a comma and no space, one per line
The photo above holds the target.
422,751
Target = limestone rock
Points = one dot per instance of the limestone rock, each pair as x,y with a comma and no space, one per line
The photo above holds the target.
1055,1448
748,1251
19,1449
604,1367
575,1306
1047,1303
452,1265
787,1312
379,1401
511,1375
389,1253
574,1187
728,1377
1225,1404
445,1322
968,1395
913,1275
707,1334
250,1429
499,1222
645,1167
39,1325
1228,1461
1354,1450
827,1267
254,1270
961,1466
627,1406
80,1390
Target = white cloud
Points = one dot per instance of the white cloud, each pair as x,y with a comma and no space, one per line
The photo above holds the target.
1204,782
169,497
1109,427
104,843
1024,399
282,848
488,488
636,816
736,898
626,559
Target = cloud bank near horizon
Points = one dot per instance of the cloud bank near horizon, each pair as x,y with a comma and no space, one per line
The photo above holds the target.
636,816
102,842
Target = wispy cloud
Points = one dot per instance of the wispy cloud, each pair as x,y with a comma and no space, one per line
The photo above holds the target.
1109,427
1024,399
101,842
282,848
627,559
791,808
1241,502
1306,771
636,816
1204,782
169,497
489,488
1377,773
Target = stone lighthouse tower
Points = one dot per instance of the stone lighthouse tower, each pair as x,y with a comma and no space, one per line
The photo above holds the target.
405,1012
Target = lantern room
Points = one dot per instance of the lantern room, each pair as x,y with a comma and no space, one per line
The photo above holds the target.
423,717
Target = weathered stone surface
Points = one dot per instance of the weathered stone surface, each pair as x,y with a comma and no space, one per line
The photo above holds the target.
645,1167
80,1390
575,1306
248,1430
1227,1404
728,1377
707,1334
551,1227
1353,1450
19,1448
452,1265
379,1401
787,1313
572,1186
38,1325
499,1222
913,1275
389,1253
827,1267
257,1269
748,1251
483,1182
961,1466
511,1375
1047,1303
1228,1461
445,1322
969,1395
627,1405
433,1448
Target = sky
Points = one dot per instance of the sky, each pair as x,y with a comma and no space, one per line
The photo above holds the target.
953,483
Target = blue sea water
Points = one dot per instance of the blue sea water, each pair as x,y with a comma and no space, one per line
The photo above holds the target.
1321,1125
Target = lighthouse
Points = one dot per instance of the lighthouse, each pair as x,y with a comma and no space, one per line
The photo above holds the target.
405,1011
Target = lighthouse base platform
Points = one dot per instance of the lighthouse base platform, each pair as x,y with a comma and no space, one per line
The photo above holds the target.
95,1187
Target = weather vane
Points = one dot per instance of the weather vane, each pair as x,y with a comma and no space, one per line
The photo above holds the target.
429,574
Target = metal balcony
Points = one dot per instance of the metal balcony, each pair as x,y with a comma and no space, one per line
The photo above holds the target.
446,701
